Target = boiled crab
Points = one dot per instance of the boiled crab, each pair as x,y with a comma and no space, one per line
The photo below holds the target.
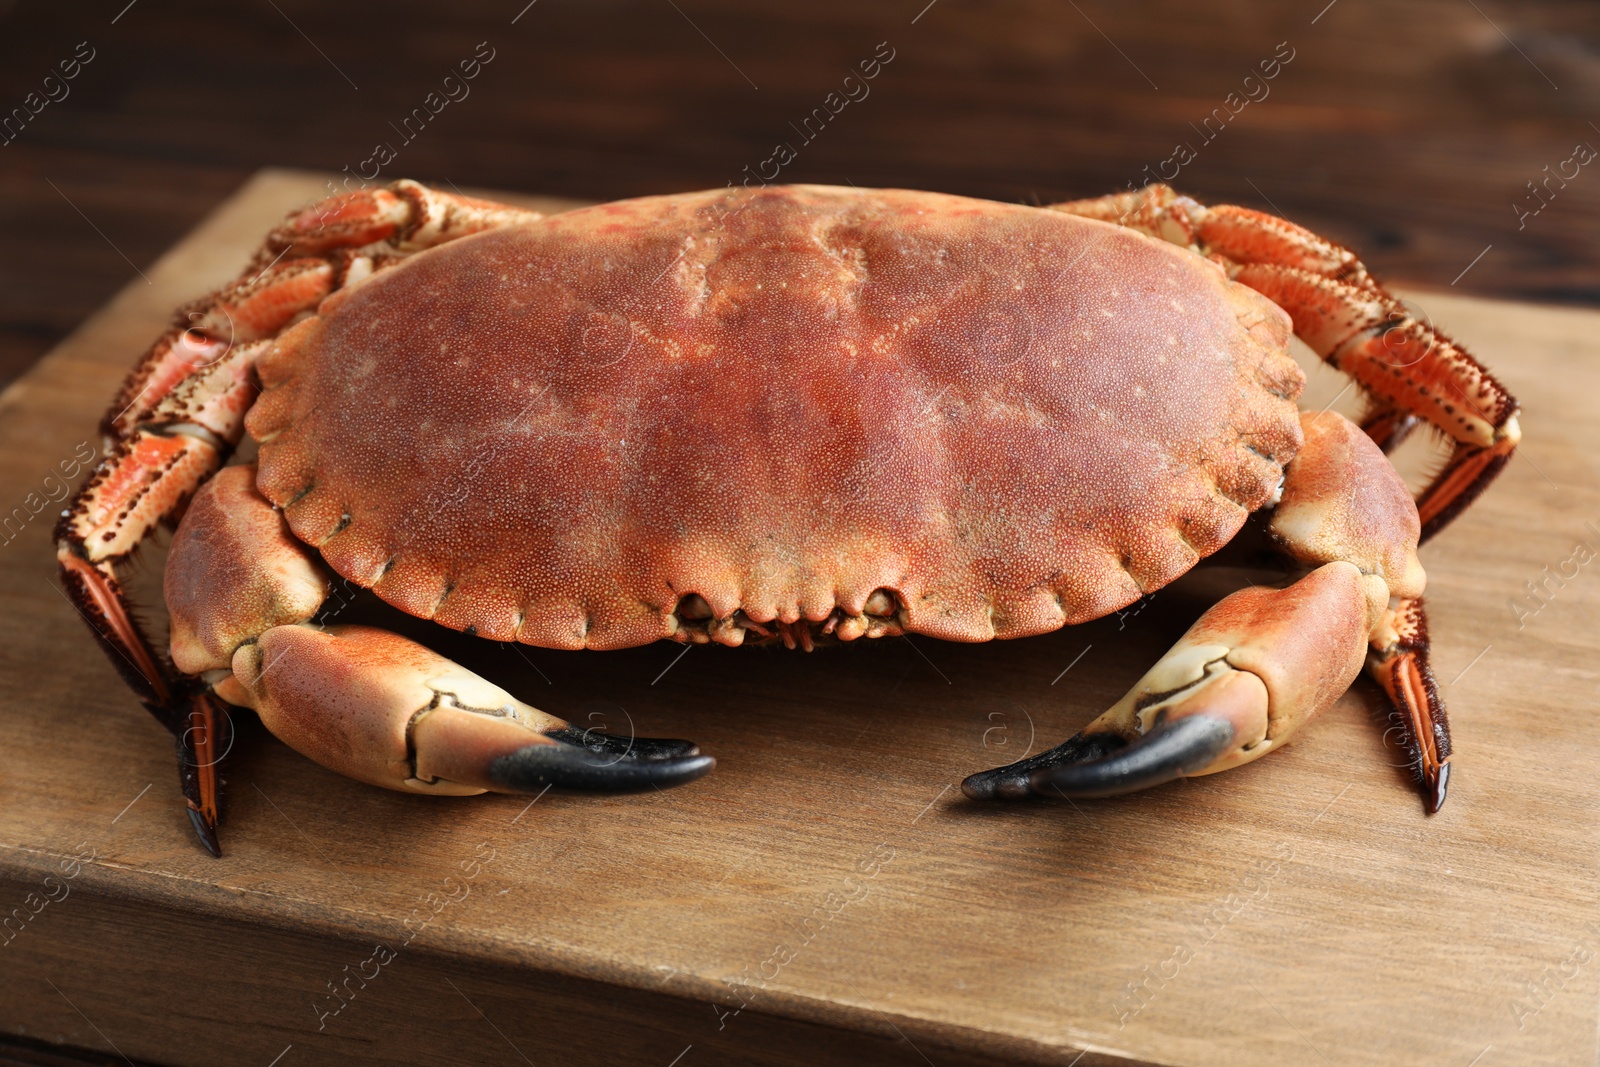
785,412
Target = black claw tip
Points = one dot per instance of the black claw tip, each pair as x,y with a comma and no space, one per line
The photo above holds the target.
994,785
205,832
1012,782
1171,750
1434,800
596,762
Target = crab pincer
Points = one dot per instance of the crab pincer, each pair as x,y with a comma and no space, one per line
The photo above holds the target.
362,701
383,709
1235,686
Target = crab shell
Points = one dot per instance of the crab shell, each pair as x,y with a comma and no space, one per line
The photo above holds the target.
783,402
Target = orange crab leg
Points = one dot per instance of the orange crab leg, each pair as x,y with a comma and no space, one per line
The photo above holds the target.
261,305
202,742
1398,660
190,715
348,220
1407,366
181,411
99,597
1389,427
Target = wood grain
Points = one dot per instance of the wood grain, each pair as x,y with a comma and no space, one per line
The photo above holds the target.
828,875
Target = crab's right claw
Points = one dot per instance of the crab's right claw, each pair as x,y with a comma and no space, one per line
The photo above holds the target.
1236,686
383,709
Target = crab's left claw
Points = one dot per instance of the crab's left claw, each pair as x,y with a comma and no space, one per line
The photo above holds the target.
1244,677
1104,763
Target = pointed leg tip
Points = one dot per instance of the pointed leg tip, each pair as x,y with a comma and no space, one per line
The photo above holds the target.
206,831
1437,786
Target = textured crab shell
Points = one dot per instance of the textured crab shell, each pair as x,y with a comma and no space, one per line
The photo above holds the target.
781,400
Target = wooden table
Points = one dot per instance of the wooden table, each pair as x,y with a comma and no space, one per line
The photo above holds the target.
828,877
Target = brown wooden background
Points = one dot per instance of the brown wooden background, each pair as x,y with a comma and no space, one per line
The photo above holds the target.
1408,129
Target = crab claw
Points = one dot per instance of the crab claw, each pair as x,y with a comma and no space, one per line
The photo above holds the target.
381,708
1104,764
1225,711
1235,686
1015,780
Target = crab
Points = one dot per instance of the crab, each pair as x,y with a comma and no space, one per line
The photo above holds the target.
788,413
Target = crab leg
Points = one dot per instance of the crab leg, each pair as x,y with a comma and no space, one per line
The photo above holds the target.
1399,661
1388,427
241,589
328,246
1347,318
181,411
1264,661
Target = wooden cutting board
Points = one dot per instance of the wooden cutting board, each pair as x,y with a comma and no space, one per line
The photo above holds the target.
826,895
